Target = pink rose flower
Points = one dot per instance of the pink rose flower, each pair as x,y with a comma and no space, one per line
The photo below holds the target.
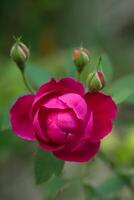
64,119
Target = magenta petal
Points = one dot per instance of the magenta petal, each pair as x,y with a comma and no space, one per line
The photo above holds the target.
104,112
101,105
47,87
101,128
42,138
83,153
66,84
73,85
59,126
76,102
56,88
39,132
20,117
55,103
89,126
47,146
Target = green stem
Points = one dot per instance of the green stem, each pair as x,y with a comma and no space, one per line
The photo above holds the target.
25,82
112,165
99,62
79,76
22,67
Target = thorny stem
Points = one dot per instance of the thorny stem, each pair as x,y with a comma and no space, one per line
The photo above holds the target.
112,165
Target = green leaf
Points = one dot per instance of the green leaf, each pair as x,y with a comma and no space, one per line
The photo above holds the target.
122,88
92,193
46,165
106,66
52,186
111,185
130,99
89,193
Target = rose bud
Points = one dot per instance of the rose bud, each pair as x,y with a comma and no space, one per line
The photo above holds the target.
81,58
64,119
95,81
19,53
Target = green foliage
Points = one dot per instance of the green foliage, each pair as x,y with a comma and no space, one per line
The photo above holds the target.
46,165
122,88
108,189
37,75
124,153
130,99
89,192
52,187
12,145
105,65
111,185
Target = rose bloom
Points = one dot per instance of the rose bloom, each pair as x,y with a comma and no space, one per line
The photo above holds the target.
64,119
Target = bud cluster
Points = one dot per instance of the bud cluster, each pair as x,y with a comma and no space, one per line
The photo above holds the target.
95,81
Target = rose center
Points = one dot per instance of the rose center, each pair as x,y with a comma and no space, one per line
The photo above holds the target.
61,125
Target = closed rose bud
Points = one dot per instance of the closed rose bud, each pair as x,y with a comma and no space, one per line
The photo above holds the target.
19,53
95,81
81,58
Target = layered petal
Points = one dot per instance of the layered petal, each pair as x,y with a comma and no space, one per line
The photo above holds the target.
104,112
55,88
66,84
44,141
83,152
76,102
20,117
102,105
56,126
89,125
55,103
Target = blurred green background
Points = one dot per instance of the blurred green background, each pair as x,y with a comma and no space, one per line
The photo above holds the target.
52,30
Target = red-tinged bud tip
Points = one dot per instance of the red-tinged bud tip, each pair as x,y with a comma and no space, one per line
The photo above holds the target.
80,57
95,81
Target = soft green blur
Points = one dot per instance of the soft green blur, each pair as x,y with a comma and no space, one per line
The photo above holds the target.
52,30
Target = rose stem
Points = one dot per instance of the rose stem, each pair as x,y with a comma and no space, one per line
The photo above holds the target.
26,82
22,67
99,62
79,76
112,165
